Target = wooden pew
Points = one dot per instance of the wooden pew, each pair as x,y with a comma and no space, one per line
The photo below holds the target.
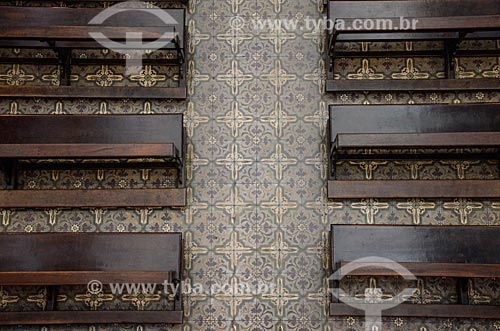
57,259
450,21
461,252
408,127
65,29
156,140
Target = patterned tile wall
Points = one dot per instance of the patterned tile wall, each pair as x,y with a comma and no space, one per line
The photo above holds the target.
257,223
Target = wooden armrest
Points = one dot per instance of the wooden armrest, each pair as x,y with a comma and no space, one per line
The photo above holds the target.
342,85
127,198
82,32
425,269
54,278
418,140
74,92
389,189
414,310
425,24
90,317
71,151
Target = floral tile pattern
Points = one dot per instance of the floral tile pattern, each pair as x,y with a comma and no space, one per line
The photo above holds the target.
256,228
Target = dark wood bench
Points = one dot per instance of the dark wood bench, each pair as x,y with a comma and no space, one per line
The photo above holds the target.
408,127
57,259
451,21
90,141
460,252
65,29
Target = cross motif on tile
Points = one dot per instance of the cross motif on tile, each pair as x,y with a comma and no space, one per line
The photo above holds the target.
234,119
373,294
233,204
278,119
324,207
495,72
318,76
235,36
104,77
462,207
191,250
461,73
365,72
423,296
94,301
279,162
39,298
16,76
98,214
53,213
234,78
193,161
146,108
279,205
368,167
277,5
196,37
279,249
148,77
6,299
144,214
322,296
234,250
278,77
141,300
235,296
280,296
191,297
323,250
234,161
370,208
53,78
14,108
320,161
278,37
194,77
410,72
460,166
317,37
476,298
235,5
416,208
414,167
193,119
6,216
320,117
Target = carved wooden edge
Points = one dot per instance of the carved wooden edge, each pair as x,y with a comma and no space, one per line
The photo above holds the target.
423,310
90,317
425,269
421,85
56,278
112,198
393,189
94,92
77,151
417,140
